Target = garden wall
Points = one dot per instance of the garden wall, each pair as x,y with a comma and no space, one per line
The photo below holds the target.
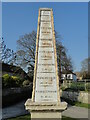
76,96
13,95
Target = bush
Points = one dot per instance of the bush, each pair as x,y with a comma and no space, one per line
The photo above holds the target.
62,88
88,86
26,82
15,78
78,86
11,81
18,81
7,81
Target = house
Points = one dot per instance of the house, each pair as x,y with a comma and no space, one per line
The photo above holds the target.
79,76
14,71
68,76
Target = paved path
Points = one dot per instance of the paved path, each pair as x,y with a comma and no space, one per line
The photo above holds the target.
76,112
15,110
19,109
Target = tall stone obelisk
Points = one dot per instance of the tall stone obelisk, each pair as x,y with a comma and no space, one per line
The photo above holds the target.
45,101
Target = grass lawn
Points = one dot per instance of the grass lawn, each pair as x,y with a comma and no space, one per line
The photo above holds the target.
78,104
82,105
27,117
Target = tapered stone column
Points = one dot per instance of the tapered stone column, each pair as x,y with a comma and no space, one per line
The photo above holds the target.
45,101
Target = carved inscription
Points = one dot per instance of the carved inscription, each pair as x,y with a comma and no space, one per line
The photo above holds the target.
46,25
45,43
45,18
46,88
45,13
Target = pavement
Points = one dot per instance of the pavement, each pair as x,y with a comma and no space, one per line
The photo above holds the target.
14,111
76,112
19,109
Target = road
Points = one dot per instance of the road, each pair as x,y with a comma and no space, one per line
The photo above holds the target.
19,109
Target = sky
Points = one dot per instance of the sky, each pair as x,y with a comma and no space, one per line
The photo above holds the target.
70,21
89,35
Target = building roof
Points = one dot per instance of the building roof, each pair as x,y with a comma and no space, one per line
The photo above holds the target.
14,69
68,72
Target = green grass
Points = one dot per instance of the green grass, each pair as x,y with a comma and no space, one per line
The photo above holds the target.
78,104
82,105
68,118
27,117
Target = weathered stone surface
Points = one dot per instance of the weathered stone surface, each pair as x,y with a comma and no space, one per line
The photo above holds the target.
45,115
46,18
44,43
46,97
45,36
38,106
45,12
46,89
46,26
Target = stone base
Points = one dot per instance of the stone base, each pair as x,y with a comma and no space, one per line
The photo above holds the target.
45,115
45,110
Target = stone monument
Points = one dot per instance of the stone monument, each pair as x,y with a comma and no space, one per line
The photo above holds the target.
45,101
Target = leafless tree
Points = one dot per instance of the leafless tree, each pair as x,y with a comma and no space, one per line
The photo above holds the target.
64,61
26,53
85,68
6,55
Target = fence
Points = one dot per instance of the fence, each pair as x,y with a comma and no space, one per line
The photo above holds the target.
80,84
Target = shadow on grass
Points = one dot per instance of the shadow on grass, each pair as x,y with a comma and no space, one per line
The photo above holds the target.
27,117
